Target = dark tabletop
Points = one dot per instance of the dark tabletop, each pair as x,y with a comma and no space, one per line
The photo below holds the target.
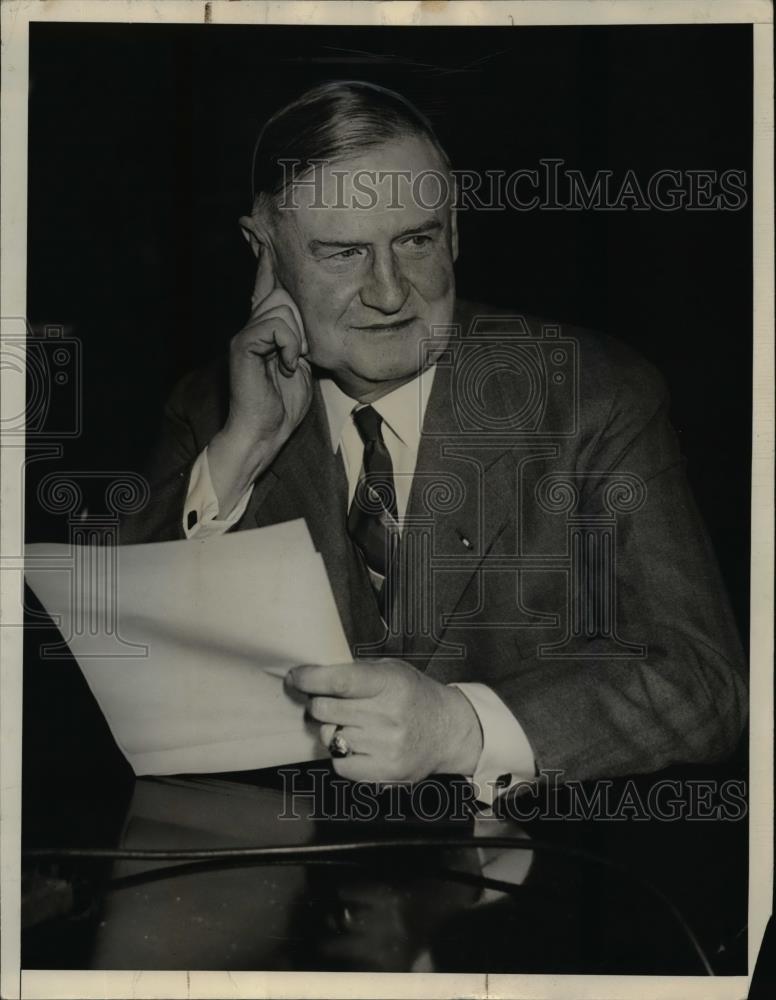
585,902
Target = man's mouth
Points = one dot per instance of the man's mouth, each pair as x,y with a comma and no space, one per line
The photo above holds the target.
386,327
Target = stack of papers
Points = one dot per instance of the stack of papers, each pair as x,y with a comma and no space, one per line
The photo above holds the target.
185,644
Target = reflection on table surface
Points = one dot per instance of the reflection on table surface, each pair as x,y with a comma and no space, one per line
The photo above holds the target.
391,910
381,916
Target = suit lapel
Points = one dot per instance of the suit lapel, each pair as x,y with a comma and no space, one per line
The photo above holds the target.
308,480
456,504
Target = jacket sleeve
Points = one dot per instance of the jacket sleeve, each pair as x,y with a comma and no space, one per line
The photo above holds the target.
684,698
192,415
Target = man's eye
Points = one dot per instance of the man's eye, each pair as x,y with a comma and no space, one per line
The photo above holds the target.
348,254
417,242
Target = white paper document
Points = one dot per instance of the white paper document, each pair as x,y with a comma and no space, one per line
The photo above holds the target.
185,644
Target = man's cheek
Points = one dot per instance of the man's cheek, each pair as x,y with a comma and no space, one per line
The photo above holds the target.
433,277
321,303
315,299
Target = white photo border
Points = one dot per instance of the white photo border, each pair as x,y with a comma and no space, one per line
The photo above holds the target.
47,985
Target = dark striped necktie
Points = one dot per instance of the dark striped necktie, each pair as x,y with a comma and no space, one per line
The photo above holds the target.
373,516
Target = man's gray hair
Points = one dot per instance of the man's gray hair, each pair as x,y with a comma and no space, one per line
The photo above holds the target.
331,122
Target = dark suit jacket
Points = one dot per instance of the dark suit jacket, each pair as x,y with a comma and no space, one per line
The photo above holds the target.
523,506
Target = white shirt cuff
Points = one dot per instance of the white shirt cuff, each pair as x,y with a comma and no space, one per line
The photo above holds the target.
507,758
200,511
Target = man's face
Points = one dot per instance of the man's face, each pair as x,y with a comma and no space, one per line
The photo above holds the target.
371,282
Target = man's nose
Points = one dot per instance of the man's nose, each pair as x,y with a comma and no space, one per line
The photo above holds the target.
385,287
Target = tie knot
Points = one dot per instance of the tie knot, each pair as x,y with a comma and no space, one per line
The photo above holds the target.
368,422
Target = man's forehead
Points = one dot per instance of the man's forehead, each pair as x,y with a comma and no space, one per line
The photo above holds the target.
388,189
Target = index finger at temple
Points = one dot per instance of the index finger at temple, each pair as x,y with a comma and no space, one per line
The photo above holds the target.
342,680
280,303
265,279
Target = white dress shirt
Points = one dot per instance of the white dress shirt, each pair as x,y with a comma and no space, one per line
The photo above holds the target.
506,756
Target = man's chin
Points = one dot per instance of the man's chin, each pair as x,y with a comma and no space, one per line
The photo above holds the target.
392,369
388,355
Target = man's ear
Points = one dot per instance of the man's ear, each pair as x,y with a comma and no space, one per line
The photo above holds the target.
454,232
252,233
256,232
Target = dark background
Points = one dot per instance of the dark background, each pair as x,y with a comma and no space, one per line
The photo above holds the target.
140,141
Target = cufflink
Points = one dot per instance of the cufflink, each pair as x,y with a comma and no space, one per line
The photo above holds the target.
191,519
464,540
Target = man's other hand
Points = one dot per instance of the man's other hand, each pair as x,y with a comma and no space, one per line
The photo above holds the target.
270,389
399,724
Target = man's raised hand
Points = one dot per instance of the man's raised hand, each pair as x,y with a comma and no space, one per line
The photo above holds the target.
270,389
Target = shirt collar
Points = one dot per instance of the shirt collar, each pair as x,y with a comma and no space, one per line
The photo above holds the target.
403,409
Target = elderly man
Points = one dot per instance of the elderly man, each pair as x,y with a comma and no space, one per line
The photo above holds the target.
566,625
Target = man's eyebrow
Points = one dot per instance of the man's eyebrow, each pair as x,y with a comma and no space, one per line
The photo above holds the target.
423,227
